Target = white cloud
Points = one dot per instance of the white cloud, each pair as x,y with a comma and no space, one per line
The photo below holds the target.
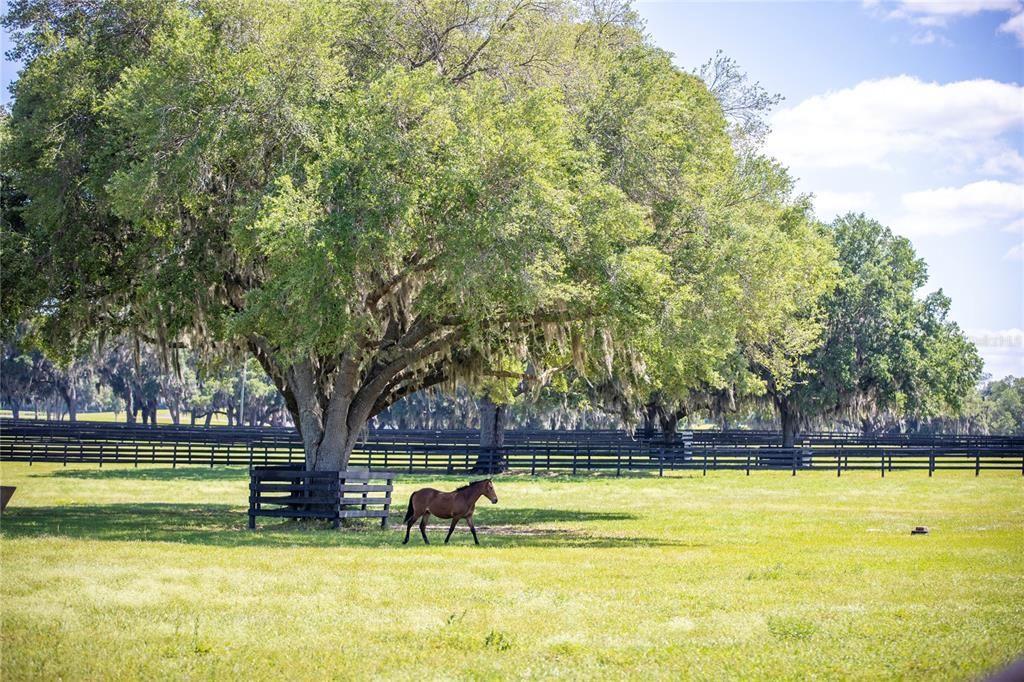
1015,26
1016,252
828,204
987,204
1002,350
1008,162
930,37
874,121
939,12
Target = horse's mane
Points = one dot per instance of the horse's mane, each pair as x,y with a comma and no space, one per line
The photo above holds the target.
471,484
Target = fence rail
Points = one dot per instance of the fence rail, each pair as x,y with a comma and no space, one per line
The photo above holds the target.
533,451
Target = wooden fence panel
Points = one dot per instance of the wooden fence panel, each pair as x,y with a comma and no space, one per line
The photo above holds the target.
458,452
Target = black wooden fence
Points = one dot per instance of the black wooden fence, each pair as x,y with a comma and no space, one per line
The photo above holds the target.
290,492
533,451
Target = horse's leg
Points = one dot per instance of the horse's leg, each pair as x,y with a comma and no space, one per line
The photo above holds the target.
410,518
423,527
455,520
408,527
469,520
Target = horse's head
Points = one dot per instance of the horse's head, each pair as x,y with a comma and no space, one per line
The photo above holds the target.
489,491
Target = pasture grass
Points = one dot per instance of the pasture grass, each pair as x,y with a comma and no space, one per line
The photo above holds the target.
149,573
163,416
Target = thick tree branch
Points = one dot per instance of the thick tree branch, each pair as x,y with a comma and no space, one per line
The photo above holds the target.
437,374
375,386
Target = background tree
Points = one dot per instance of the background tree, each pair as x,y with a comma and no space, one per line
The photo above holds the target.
216,393
132,371
178,387
744,102
263,403
1005,400
73,383
19,376
884,349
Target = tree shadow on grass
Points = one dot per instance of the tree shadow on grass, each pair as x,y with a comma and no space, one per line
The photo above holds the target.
225,526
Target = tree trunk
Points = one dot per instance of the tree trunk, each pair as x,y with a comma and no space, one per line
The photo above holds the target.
130,407
331,398
790,423
867,426
668,426
493,419
71,400
650,416
15,409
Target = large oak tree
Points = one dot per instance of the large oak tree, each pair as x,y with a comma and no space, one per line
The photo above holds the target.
370,197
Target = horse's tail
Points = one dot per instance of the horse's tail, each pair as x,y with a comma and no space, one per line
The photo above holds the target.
409,512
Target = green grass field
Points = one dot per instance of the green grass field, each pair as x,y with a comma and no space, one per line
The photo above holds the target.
149,573
163,416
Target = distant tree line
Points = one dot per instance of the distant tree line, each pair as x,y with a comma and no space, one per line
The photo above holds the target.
127,378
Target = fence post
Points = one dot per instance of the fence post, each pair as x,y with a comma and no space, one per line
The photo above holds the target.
748,464
387,506
793,455
705,462
253,487
882,460
839,465
931,464
337,500
977,462
661,461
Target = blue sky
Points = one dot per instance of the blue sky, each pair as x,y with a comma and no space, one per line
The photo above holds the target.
911,111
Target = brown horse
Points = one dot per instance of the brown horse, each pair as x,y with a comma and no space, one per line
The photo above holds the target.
456,505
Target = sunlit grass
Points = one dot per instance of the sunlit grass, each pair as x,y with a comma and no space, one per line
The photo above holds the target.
163,416
149,573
